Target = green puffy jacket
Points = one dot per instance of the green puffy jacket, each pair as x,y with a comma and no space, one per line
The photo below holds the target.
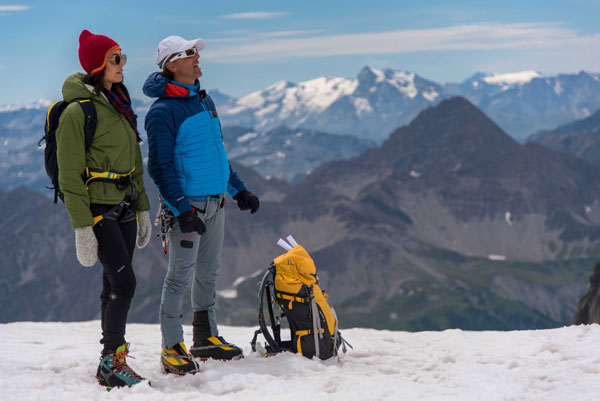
113,149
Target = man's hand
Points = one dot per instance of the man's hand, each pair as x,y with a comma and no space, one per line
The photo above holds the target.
189,222
247,200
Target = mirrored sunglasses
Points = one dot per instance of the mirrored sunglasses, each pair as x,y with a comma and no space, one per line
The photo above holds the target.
184,54
118,59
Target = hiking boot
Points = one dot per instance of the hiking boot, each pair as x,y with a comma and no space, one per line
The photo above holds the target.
216,348
178,361
113,370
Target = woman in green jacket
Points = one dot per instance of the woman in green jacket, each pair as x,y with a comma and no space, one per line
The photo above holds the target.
104,192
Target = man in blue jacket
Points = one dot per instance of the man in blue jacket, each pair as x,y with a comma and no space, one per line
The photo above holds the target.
188,164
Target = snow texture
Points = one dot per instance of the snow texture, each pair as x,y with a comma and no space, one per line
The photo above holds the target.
247,137
507,218
403,81
521,77
315,94
52,361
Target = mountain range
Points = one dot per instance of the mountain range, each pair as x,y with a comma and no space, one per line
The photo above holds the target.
282,153
580,138
448,223
369,107
377,101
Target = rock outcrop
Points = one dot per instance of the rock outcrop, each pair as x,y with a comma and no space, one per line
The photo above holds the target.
588,310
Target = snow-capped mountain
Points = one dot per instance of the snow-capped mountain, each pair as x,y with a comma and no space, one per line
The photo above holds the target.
38,104
527,102
481,86
368,106
377,101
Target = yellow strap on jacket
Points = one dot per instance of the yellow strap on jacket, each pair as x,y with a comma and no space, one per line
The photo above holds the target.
107,175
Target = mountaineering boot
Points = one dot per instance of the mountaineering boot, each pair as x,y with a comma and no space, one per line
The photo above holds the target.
216,348
178,361
201,326
113,370
208,346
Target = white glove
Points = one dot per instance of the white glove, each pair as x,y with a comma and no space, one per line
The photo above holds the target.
144,228
87,245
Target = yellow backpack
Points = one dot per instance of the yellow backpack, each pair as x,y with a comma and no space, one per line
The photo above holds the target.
291,282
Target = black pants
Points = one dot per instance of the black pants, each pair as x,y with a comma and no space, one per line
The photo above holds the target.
116,243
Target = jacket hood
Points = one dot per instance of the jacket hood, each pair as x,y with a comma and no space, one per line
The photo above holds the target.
158,85
74,88
155,85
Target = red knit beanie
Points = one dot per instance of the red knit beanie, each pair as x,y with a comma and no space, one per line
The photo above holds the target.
94,51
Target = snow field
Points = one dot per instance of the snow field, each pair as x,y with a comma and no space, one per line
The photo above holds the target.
57,361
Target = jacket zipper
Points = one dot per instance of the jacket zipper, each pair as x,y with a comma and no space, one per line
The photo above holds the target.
214,137
129,138
113,110
130,145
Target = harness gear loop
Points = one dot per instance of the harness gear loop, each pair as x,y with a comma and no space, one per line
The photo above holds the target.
165,218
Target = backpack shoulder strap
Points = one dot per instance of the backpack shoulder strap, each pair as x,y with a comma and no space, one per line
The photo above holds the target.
91,120
264,296
54,110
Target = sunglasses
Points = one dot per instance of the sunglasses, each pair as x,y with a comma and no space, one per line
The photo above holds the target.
118,59
184,54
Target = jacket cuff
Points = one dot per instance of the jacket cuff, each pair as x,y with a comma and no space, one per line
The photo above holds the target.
181,206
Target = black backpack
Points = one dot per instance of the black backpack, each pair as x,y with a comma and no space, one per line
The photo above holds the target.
52,119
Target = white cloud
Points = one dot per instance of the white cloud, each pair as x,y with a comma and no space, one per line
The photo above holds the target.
14,8
255,15
243,36
462,37
280,34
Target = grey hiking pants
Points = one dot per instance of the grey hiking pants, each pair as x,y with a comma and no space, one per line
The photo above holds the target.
192,258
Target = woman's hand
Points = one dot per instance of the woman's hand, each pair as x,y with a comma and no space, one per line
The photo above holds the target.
86,245
144,228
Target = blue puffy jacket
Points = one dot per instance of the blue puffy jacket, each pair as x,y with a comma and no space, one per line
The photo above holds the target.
187,158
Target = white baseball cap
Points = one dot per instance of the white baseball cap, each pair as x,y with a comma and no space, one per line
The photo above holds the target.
175,44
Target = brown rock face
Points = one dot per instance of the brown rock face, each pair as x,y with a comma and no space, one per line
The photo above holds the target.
588,310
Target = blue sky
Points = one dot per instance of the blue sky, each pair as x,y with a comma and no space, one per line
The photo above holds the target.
250,45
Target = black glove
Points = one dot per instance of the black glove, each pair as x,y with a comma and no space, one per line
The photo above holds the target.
247,200
189,222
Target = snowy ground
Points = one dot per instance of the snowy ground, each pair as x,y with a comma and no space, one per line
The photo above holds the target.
57,361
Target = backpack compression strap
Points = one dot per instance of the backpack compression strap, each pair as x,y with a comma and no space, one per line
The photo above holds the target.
90,120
